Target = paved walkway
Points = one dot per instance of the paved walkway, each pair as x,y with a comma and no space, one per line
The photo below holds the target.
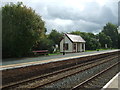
41,58
113,83
22,62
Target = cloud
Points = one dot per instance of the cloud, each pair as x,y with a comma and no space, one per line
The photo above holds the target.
70,15
91,18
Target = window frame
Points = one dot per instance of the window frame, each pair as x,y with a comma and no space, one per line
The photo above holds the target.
65,46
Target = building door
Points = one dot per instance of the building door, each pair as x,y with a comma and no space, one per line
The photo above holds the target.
78,47
74,47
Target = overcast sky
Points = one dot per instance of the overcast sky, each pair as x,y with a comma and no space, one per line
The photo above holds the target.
72,15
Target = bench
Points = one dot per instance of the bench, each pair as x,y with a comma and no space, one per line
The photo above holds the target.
41,52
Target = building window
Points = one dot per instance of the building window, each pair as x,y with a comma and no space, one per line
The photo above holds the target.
65,46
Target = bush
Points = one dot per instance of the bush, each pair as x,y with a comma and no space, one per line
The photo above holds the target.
22,28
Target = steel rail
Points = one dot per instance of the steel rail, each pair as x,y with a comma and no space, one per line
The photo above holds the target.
50,74
95,76
52,81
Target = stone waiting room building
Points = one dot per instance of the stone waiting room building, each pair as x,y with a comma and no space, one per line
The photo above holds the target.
72,43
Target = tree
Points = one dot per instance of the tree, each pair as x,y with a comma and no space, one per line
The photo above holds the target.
91,41
76,32
93,44
55,36
111,31
22,28
103,39
44,44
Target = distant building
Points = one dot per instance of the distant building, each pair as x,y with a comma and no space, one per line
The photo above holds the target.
72,43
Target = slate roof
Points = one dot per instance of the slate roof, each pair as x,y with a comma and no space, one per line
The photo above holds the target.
75,38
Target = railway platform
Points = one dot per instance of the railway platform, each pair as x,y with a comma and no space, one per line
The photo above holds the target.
23,62
113,83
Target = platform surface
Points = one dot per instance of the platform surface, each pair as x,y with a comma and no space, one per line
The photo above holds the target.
113,83
22,62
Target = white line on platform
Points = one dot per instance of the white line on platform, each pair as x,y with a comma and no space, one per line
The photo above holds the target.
106,86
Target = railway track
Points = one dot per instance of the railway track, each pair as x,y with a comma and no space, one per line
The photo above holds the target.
72,81
46,79
97,80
